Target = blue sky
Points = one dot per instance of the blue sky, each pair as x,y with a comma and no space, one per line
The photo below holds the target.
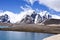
15,6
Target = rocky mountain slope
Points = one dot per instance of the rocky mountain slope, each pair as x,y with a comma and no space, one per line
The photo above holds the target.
4,18
35,18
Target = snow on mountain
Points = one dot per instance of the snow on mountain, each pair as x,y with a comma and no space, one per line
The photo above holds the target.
55,16
36,17
16,17
23,14
29,16
42,16
12,16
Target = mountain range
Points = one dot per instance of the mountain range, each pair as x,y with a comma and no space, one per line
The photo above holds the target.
29,18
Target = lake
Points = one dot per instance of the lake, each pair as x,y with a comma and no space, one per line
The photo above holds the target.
13,35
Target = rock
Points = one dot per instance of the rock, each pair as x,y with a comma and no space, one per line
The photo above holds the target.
38,19
28,20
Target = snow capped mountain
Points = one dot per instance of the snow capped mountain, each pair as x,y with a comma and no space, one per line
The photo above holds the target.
28,17
16,17
12,16
43,16
36,17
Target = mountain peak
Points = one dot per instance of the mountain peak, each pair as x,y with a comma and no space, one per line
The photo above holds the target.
36,17
29,18
4,18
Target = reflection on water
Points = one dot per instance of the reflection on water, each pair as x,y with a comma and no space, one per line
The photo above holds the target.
10,35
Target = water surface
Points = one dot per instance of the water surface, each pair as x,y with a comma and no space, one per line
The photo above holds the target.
10,35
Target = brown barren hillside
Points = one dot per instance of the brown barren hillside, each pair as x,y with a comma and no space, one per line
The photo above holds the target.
52,21
31,28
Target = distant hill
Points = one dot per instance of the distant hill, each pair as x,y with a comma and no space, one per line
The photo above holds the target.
52,21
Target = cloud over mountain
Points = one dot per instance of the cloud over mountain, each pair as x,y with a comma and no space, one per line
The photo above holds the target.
53,4
30,1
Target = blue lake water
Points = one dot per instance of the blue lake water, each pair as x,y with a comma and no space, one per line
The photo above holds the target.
13,35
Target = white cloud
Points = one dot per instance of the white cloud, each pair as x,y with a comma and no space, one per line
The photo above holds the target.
26,8
54,4
30,1
27,11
